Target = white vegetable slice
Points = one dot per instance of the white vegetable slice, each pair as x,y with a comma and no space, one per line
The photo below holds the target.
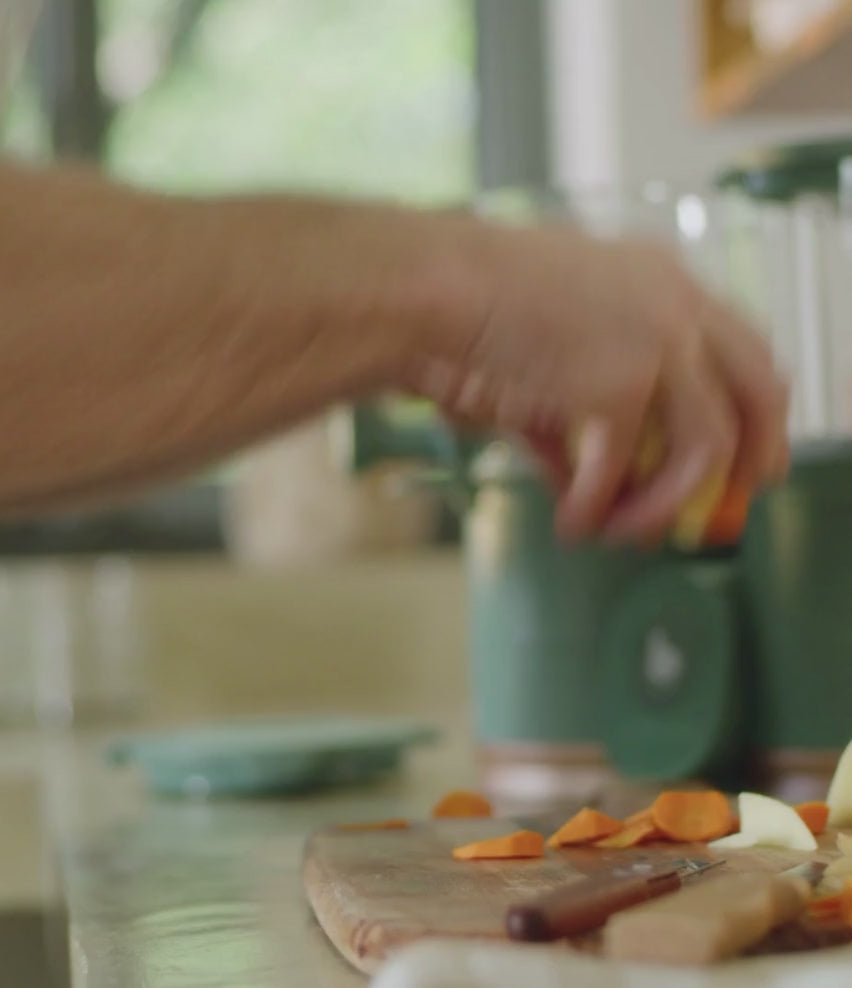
733,841
839,797
766,822
839,868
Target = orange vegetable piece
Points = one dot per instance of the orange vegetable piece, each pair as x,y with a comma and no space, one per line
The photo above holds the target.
815,815
521,844
692,816
846,903
584,827
826,904
827,909
392,824
461,803
729,517
637,833
638,815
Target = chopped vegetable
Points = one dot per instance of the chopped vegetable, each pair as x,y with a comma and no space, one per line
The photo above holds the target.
734,842
770,823
815,815
826,907
392,824
461,803
692,816
846,903
729,518
644,814
839,868
690,528
839,797
637,833
584,827
714,514
833,908
521,844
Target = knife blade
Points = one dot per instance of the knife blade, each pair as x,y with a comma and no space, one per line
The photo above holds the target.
583,905
713,919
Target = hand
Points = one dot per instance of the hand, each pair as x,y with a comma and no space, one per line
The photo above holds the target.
569,335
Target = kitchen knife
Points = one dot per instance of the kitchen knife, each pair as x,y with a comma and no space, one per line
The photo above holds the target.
711,920
587,903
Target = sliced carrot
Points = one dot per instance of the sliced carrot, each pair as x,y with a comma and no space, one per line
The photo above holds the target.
726,524
815,815
584,827
392,824
638,815
828,909
692,816
846,903
636,833
827,903
521,844
462,804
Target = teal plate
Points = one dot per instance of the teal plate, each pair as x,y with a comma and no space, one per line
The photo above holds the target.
285,755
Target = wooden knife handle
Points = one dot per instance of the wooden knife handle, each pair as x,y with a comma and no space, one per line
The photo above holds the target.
708,921
585,904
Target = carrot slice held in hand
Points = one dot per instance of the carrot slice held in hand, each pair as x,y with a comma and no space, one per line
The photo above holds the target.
692,816
815,815
584,827
637,833
521,844
462,803
729,517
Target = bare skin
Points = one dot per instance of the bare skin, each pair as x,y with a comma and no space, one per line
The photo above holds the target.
143,337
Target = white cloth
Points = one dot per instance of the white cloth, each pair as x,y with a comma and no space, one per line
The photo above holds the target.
17,20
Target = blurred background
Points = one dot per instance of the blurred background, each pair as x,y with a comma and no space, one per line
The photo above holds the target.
287,580
191,595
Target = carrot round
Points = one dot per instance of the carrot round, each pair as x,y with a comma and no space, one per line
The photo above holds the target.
521,844
828,909
637,833
815,815
692,816
584,827
846,903
392,824
726,524
644,814
462,803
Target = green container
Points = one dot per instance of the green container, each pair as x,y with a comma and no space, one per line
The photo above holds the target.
538,610
798,603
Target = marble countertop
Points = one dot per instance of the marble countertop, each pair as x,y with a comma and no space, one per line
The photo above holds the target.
168,893
207,894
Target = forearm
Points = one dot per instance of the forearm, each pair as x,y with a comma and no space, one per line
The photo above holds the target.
141,337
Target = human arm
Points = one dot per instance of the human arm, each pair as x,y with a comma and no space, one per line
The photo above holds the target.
143,336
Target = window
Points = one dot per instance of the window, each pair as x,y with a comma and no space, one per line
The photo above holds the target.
336,95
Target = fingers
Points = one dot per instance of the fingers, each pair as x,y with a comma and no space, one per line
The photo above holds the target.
702,428
549,448
602,464
760,394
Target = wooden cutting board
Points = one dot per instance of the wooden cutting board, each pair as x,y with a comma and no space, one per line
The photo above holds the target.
375,891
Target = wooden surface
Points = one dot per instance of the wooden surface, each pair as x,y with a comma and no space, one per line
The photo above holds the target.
375,891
